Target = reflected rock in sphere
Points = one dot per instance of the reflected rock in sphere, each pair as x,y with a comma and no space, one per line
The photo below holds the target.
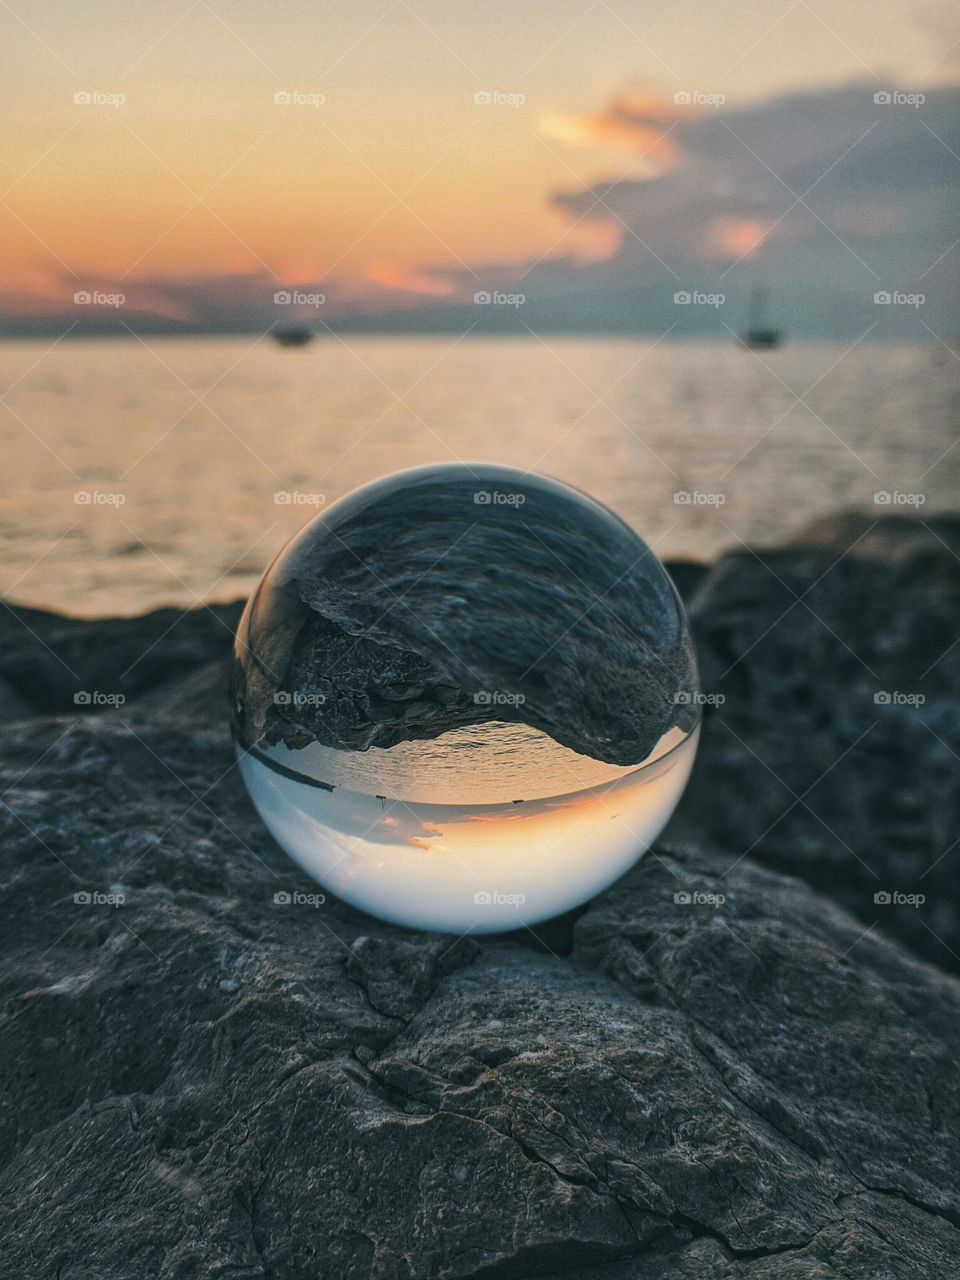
465,697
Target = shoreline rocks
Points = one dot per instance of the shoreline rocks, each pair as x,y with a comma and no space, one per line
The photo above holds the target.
713,1070
834,754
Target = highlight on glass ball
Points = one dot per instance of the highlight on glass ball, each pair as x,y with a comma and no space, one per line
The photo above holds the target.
465,698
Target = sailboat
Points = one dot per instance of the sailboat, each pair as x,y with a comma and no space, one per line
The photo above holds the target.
759,335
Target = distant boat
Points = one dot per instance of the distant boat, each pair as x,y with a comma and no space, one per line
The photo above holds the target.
295,336
759,335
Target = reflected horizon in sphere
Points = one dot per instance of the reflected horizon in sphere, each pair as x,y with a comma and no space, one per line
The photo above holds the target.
465,698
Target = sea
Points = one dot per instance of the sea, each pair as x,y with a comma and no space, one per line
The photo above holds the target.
150,471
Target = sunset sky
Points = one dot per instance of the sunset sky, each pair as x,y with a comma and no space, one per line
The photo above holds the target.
197,190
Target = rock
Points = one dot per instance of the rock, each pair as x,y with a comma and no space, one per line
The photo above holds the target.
713,1070
831,740
47,659
12,706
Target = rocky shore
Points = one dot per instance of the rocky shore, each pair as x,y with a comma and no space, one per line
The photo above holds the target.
738,1062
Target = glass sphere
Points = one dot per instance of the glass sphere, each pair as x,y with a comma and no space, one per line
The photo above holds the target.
465,698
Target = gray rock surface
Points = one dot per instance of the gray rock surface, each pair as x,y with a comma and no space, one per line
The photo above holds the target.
46,659
835,755
201,1082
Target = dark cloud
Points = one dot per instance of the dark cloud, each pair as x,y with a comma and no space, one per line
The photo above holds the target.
828,197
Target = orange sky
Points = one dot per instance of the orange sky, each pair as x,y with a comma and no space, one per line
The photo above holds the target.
198,171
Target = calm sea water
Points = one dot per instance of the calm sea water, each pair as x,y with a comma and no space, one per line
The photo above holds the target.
170,471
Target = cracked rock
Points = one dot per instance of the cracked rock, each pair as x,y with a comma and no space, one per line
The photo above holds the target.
714,1070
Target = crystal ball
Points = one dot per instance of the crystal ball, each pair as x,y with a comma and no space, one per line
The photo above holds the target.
465,698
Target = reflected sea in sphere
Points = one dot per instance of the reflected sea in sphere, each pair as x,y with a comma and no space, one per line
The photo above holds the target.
465,698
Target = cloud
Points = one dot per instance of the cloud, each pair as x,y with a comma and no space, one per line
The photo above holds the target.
410,280
826,196
638,122
731,238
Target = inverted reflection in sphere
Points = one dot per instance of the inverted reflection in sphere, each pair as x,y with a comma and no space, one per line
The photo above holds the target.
465,697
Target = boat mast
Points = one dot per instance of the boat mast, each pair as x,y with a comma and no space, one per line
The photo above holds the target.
758,308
